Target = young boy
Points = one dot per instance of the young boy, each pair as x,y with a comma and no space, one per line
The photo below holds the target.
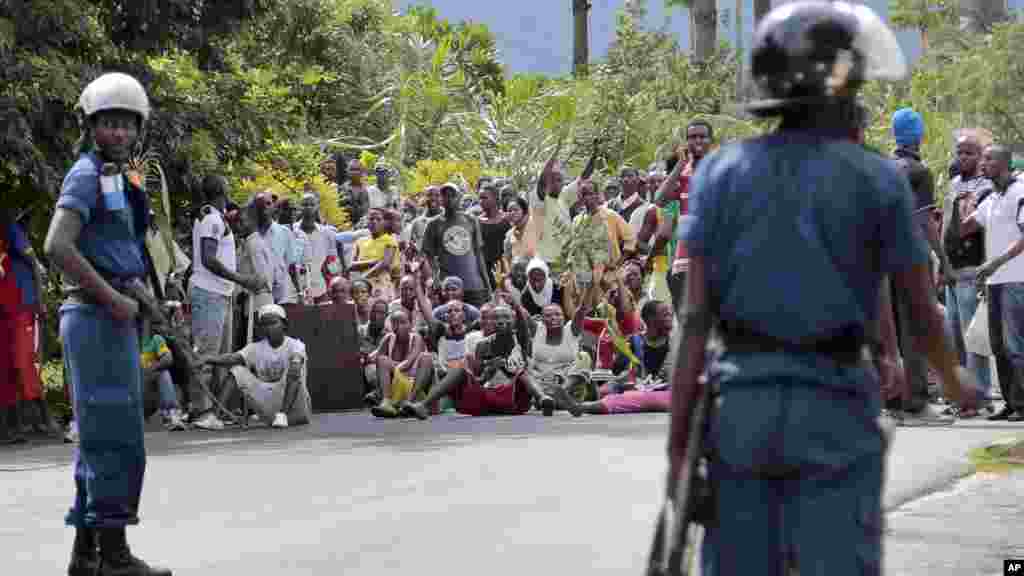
272,372
403,366
157,362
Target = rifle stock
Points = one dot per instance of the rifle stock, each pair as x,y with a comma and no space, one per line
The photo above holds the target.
673,547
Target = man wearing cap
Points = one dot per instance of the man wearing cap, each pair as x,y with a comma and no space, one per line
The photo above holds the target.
908,130
454,246
272,372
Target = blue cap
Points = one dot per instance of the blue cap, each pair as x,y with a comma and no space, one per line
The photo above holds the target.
907,127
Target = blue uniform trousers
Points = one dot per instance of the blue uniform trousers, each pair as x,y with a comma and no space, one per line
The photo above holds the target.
798,471
102,358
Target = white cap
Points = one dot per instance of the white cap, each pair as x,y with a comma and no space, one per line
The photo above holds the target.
272,310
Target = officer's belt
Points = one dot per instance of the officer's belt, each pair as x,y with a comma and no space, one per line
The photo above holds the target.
847,346
79,294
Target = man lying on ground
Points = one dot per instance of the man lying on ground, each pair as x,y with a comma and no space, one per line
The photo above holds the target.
272,372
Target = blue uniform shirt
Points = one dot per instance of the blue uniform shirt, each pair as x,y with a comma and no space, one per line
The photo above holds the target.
112,231
797,230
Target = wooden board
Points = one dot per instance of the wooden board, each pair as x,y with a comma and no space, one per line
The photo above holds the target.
335,377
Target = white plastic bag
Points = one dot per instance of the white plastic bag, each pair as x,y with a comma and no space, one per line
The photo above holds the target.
976,337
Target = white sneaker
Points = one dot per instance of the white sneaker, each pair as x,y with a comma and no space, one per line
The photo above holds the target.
209,421
280,420
929,416
174,421
71,435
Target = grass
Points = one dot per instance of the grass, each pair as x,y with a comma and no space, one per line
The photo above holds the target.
1005,456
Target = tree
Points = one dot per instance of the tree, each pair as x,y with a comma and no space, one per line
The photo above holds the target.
703,26
923,16
761,9
581,36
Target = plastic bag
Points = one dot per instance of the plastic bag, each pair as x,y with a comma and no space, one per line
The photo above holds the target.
976,337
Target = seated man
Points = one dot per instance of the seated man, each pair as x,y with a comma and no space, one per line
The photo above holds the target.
494,380
272,372
403,366
654,391
486,328
157,362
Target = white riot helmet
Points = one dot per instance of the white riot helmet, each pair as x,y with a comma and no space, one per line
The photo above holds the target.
114,91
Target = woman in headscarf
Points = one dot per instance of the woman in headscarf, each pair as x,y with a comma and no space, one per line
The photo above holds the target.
541,289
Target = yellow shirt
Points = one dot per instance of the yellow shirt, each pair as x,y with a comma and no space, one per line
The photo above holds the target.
373,249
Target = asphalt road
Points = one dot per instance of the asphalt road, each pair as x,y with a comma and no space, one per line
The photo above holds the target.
458,495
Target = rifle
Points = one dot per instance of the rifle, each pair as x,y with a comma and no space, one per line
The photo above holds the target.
677,535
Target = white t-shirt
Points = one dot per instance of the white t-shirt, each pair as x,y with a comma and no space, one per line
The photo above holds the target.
314,248
271,364
1001,217
213,225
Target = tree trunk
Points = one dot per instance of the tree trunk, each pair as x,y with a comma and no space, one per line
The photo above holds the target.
980,15
761,9
704,28
581,37
739,48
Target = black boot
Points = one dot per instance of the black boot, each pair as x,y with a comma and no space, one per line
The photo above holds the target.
117,560
85,556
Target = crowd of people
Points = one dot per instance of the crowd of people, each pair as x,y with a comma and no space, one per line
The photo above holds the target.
568,296
569,284
479,305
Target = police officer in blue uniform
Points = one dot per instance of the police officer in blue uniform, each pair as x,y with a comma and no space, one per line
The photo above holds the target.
96,238
797,449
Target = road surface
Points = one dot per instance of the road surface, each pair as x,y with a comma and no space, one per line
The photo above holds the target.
455,495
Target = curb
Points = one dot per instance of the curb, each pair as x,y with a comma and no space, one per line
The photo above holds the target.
947,477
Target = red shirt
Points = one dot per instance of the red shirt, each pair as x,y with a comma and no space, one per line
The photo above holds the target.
10,297
631,324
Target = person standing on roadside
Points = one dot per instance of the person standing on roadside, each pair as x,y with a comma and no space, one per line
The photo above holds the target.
1002,274
214,276
96,238
454,247
967,190
796,449
673,196
915,408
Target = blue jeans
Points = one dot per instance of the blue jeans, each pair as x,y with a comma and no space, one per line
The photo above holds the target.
961,303
209,320
103,362
798,472
168,394
1006,334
